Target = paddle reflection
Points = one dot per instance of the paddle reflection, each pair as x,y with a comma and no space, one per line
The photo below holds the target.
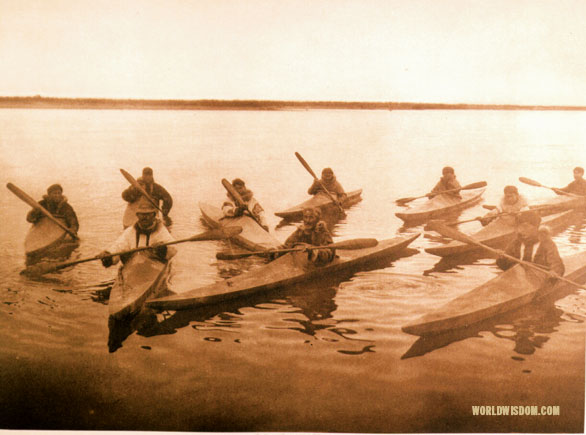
454,263
529,328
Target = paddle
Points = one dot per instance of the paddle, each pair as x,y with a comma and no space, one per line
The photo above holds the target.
239,201
138,187
346,244
402,201
34,204
440,227
538,184
218,234
308,168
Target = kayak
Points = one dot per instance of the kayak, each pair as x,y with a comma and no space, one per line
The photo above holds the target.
440,205
45,237
291,268
321,201
252,237
498,233
140,278
510,290
560,203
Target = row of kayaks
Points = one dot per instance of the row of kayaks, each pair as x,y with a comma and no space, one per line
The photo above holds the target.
142,279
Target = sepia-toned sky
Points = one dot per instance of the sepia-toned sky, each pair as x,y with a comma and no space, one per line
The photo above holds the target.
477,51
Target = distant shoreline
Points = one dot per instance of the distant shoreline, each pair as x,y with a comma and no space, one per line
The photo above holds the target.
38,102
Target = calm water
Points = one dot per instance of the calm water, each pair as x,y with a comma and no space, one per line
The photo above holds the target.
313,358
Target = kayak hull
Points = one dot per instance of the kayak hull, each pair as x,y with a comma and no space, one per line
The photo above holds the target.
497,234
441,205
508,291
140,278
46,239
292,268
252,237
560,203
321,201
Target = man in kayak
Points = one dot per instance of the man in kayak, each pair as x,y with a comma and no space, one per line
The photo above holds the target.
578,186
530,234
328,180
314,232
231,209
56,203
147,231
447,182
156,191
512,202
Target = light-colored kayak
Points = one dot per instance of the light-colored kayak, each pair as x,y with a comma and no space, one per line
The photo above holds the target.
510,290
45,236
560,203
498,233
291,268
321,201
252,237
440,205
140,278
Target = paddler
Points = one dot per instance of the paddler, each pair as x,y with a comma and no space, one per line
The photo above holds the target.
313,232
231,209
447,182
328,180
147,231
156,191
578,186
533,243
56,203
512,202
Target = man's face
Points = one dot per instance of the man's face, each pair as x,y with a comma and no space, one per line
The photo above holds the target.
55,196
148,179
449,176
527,231
327,175
146,220
240,188
309,218
578,175
511,198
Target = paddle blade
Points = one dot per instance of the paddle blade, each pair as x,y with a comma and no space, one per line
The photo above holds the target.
489,207
354,244
530,182
403,201
476,185
305,165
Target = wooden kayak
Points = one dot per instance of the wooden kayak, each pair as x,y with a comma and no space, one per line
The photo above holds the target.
498,233
440,205
321,201
560,203
140,278
252,237
45,236
510,290
291,268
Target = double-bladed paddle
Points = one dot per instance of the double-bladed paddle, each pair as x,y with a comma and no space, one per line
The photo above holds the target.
531,182
239,201
440,227
34,204
346,244
308,168
218,234
403,201
138,187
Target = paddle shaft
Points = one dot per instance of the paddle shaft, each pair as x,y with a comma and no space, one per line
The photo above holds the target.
467,187
30,201
457,235
308,168
138,187
538,184
347,244
239,201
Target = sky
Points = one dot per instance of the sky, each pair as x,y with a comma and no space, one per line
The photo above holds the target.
446,51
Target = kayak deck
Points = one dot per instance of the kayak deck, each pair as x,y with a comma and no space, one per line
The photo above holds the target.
289,269
510,290
321,201
252,237
140,278
497,234
440,205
